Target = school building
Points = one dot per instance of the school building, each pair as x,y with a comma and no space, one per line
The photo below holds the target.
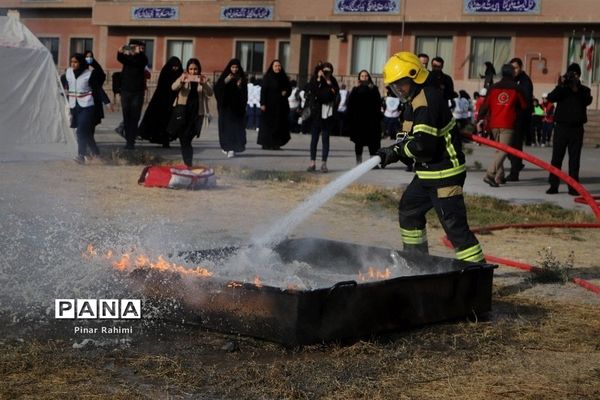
351,34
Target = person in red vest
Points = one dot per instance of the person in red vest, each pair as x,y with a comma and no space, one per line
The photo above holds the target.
501,106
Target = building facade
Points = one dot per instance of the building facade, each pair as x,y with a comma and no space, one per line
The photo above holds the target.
351,34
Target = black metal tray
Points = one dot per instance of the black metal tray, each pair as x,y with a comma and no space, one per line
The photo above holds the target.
440,289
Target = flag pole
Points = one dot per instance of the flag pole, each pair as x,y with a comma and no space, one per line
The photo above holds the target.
571,49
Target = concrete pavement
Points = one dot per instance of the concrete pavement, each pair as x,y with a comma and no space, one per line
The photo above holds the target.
295,156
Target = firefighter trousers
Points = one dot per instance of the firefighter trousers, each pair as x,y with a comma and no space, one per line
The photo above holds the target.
449,205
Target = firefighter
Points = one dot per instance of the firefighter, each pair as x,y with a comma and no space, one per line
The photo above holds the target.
431,140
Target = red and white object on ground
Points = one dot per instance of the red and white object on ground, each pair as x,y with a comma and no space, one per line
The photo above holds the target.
178,177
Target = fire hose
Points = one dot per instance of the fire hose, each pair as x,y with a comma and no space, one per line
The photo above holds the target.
585,198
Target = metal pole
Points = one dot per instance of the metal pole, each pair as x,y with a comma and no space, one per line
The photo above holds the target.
403,22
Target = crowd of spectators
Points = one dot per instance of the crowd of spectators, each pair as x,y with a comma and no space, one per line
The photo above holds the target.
504,110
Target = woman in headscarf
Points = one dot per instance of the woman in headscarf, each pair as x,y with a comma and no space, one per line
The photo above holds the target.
231,91
192,91
80,81
488,75
275,127
99,95
322,98
363,122
156,118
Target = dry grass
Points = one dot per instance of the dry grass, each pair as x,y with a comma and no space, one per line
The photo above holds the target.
129,157
526,350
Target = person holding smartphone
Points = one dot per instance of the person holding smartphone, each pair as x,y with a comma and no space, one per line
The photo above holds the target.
323,98
193,91
133,86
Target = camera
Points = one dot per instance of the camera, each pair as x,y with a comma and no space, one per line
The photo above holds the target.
570,78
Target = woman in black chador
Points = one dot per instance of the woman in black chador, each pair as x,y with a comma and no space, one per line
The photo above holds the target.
275,126
488,75
363,116
231,91
154,123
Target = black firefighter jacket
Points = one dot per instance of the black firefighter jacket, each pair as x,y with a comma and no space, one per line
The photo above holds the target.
434,141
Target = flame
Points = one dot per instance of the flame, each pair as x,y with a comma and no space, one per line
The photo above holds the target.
257,281
234,284
122,264
374,274
131,261
89,252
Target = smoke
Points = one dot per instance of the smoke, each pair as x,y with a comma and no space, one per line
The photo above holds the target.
44,234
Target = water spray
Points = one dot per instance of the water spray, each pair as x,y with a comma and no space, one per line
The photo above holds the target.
287,224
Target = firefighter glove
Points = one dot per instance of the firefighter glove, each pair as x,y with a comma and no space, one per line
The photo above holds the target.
389,155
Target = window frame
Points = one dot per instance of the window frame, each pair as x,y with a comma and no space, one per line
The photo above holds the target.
178,39
237,42
448,62
474,65
71,52
356,36
41,37
286,62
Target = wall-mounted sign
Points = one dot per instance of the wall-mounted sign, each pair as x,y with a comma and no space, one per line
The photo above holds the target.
366,6
502,6
251,12
154,12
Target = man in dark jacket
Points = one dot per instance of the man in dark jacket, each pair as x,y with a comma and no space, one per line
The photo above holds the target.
444,81
133,86
434,144
572,99
523,125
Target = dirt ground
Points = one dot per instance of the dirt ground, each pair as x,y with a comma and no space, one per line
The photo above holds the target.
539,342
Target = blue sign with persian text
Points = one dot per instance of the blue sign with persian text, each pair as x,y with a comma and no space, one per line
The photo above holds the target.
154,12
264,13
366,6
502,6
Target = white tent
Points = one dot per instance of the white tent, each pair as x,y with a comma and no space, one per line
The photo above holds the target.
34,120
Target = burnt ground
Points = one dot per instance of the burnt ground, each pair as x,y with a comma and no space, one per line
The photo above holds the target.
540,341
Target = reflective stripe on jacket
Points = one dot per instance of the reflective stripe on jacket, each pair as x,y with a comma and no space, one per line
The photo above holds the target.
434,141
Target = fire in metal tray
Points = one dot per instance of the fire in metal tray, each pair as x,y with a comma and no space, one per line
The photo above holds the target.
341,290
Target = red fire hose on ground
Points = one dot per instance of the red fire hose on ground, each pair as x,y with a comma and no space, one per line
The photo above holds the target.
585,198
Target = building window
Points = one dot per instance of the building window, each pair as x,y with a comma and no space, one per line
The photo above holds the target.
80,45
251,55
435,46
52,46
284,54
181,49
495,50
370,53
149,50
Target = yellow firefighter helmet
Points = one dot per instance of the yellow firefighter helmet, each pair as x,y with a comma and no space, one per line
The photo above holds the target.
404,65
